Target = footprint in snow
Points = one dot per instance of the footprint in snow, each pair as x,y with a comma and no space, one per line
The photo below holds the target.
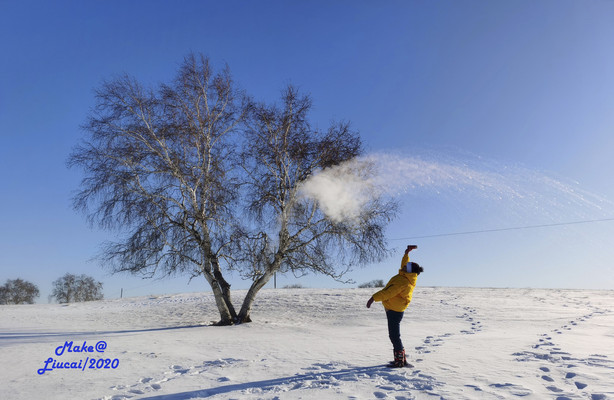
580,385
515,390
554,389
474,387
178,369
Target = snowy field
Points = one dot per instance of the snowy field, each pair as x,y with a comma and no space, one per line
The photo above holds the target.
315,344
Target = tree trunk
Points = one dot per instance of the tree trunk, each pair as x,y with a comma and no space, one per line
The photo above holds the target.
224,289
246,308
219,285
226,315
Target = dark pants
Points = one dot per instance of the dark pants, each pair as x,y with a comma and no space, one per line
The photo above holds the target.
394,328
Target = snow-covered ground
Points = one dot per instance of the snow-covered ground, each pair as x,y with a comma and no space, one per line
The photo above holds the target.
315,344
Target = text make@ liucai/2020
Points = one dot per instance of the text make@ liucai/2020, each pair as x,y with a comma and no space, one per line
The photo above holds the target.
89,362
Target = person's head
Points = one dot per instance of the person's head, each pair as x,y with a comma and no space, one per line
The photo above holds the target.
414,268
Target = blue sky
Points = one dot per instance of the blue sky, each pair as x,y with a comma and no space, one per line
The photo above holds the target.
524,84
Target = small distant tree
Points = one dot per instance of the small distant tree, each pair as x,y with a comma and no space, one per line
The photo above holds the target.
376,283
18,291
76,288
294,286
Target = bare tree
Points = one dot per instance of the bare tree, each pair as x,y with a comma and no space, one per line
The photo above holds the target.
159,167
165,168
76,288
18,291
88,289
290,232
376,283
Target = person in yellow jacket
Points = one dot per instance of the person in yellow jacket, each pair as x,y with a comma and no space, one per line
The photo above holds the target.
396,297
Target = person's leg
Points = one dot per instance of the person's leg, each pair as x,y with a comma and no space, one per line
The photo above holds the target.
394,329
394,332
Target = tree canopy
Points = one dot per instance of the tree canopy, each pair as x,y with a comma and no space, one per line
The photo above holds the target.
18,291
72,288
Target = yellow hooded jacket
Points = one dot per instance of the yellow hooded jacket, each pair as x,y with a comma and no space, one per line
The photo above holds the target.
397,294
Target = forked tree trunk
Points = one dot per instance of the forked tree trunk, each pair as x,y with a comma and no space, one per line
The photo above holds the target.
219,285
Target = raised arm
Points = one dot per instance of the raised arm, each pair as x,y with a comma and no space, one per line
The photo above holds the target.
405,259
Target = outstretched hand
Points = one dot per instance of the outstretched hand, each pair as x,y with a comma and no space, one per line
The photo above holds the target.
410,248
370,302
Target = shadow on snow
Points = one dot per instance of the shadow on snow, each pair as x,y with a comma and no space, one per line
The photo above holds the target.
29,337
270,384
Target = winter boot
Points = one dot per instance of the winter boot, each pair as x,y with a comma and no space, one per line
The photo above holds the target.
399,359
405,363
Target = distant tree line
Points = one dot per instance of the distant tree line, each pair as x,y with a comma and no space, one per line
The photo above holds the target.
294,286
67,289
377,283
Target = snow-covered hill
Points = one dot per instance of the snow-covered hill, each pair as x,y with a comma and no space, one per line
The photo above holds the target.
314,344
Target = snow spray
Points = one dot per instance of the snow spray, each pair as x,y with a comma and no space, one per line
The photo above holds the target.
344,190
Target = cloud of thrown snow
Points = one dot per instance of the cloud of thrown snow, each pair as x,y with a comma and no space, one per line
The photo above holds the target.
343,191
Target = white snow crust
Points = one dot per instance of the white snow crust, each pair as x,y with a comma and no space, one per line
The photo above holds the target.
464,343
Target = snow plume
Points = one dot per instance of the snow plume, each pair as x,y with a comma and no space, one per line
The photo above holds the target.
344,190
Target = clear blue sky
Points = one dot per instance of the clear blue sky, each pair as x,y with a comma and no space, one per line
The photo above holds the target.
512,83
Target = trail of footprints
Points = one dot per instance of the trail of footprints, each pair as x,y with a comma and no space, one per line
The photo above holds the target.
557,367
430,343
469,316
